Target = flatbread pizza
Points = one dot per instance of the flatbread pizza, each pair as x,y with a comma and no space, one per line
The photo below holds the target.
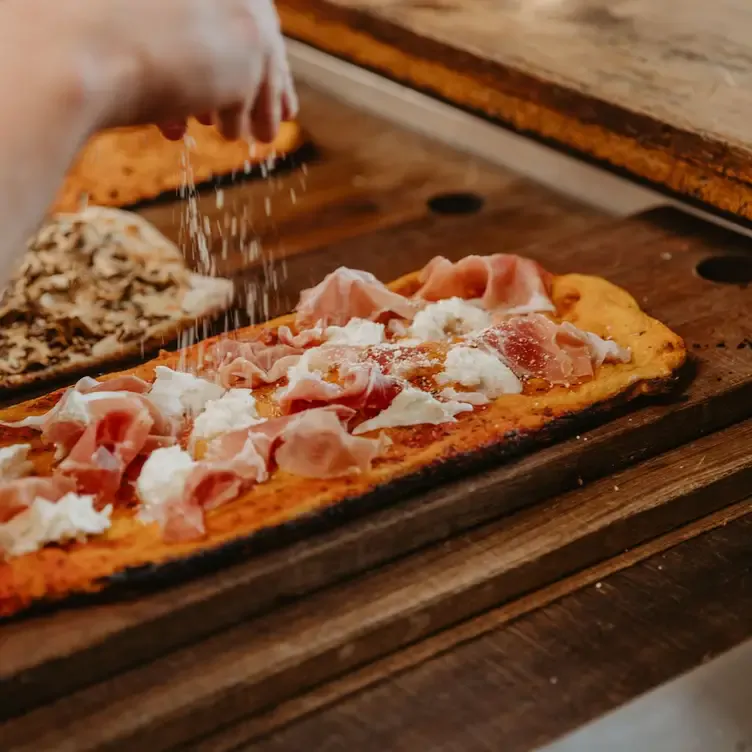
126,166
367,390
95,287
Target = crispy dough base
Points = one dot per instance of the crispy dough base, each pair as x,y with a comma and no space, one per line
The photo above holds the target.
210,296
588,302
125,166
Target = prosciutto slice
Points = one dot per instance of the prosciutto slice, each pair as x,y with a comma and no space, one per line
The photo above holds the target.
250,364
85,385
535,347
311,337
501,282
316,445
118,429
349,293
19,494
364,387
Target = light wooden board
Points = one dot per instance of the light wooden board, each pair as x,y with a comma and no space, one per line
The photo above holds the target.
660,89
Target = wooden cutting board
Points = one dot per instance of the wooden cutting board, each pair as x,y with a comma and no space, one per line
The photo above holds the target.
655,257
643,86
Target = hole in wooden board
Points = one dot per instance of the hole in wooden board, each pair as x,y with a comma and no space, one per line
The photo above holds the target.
456,203
727,270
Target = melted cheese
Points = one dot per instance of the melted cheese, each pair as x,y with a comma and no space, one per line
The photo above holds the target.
14,461
472,367
72,517
177,394
162,478
414,407
356,332
447,318
232,411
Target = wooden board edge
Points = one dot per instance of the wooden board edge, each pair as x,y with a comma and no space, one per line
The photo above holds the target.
680,161
464,584
256,727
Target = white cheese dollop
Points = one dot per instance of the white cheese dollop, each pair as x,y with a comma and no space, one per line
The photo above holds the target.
413,407
538,302
177,394
162,478
356,332
72,517
448,318
232,411
14,461
472,398
470,366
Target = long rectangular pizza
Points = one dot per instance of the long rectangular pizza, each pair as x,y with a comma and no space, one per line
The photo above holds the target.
365,389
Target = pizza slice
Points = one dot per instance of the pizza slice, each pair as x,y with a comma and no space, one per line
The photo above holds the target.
366,391
95,287
125,166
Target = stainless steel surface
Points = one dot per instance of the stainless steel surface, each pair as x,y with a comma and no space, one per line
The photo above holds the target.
474,135
706,710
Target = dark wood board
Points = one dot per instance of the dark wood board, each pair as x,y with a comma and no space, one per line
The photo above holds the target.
654,258
252,728
529,680
659,90
255,665
46,657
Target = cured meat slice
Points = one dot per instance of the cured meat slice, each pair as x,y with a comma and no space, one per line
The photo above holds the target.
601,350
125,383
535,347
18,494
251,364
364,387
305,338
118,429
85,385
501,282
350,293
316,445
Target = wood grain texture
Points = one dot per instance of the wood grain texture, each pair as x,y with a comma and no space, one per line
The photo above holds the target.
255,665
654,258
531,680
661,90
255,727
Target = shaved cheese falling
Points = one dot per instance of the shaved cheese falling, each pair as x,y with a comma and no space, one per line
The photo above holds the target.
414,407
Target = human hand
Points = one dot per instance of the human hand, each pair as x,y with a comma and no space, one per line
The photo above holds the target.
188,57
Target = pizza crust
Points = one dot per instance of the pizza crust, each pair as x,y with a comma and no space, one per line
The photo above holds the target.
125,166
418,455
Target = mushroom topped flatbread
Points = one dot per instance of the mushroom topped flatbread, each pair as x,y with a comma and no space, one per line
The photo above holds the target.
94,287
